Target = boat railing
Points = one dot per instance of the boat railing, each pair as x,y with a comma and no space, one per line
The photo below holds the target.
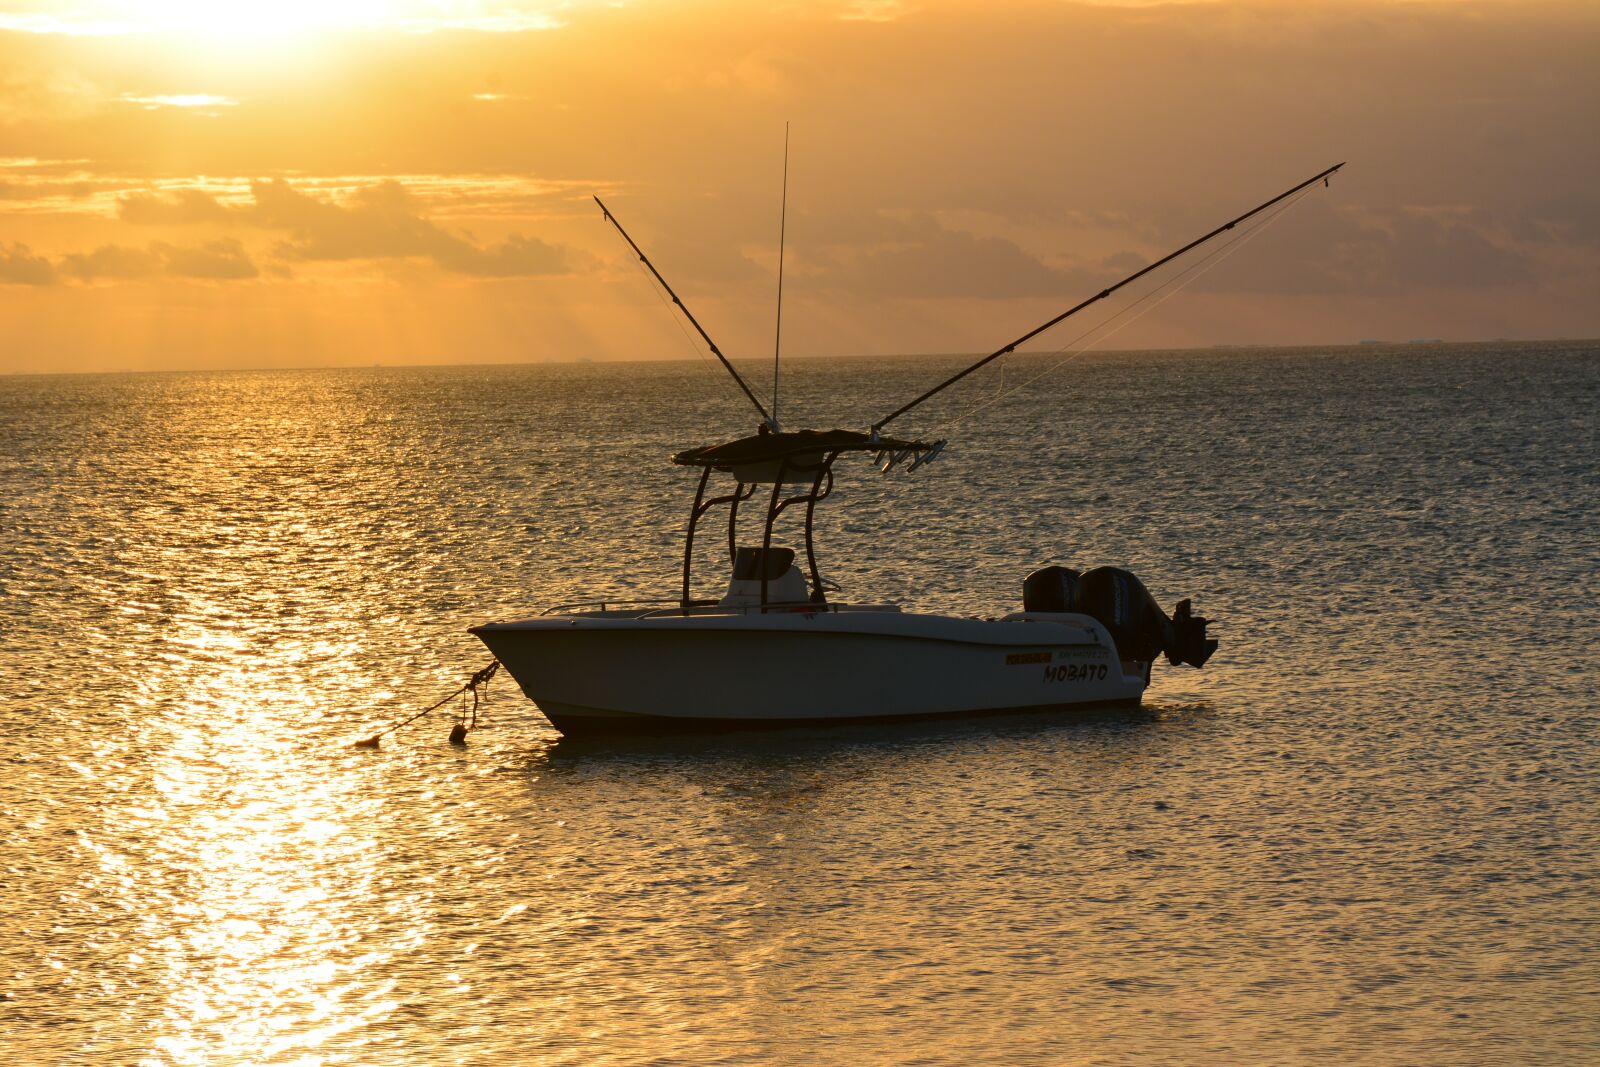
669,607
715,607
606,605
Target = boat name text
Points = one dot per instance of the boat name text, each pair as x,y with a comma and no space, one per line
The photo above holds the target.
1073,672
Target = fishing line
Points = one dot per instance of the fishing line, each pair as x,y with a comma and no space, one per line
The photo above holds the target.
703,360
1165,291
766,416
1149,269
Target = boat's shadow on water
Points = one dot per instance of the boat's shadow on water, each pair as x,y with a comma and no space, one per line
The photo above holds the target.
1103,725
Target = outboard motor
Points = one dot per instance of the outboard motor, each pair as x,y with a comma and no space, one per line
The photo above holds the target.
1050,589
1121,603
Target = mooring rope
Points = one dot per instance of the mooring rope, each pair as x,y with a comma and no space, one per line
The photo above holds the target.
466,720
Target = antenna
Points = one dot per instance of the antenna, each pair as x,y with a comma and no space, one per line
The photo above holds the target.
783,220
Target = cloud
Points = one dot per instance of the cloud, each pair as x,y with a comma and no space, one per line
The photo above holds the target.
383,221
19,266
112,261
224,260
919,257
200,101
1319,249
515,256
38,195
221,260
1123,263
182,207
228,198
1455,254
35,186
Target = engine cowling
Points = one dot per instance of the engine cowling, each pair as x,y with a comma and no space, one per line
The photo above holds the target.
1120,602
1051,589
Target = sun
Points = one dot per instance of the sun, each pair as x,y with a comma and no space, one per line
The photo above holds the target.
259,20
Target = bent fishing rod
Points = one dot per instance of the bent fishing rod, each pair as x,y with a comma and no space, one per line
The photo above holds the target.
1101,295
770,421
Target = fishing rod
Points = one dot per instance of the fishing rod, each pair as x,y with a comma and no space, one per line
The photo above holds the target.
771,422
1101,295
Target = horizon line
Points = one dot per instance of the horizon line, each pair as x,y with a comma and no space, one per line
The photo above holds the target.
1372,343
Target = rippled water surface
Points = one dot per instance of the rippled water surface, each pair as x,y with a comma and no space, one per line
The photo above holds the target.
1368,831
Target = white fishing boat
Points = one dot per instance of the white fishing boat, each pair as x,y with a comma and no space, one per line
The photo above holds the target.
732,661
774,650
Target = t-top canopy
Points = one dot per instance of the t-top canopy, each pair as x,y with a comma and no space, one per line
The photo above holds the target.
800,448
800,453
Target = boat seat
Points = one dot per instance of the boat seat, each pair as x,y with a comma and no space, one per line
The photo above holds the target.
785,583
747,563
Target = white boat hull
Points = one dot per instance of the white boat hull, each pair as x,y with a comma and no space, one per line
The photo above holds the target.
597,674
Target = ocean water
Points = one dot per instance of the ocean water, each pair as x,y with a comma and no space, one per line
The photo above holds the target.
1367,832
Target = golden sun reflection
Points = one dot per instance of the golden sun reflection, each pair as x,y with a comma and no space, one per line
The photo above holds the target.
263,838
258,943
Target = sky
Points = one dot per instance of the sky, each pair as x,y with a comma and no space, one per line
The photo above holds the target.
299,183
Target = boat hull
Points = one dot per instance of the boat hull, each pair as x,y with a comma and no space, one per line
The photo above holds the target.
592,675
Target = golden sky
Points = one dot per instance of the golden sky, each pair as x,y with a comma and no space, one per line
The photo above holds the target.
327,182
